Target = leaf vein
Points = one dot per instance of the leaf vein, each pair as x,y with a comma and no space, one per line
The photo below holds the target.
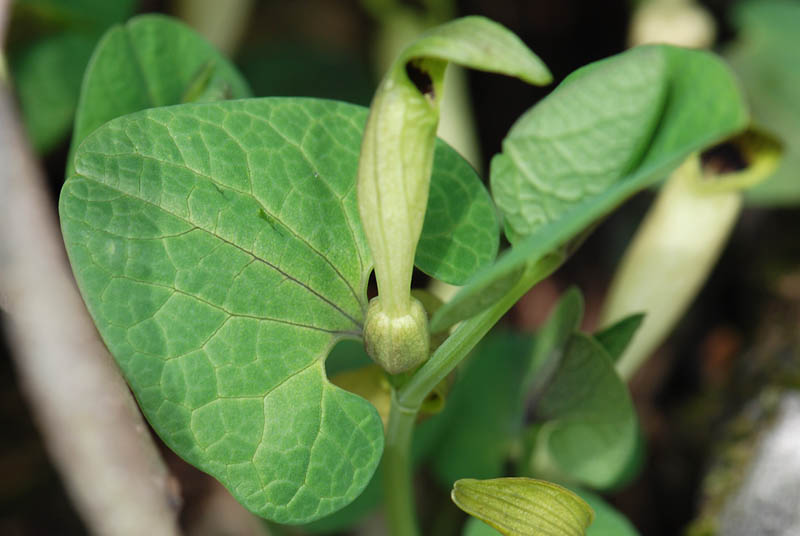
256,257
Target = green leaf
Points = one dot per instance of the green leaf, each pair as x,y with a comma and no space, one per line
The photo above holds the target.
150,61
587,425
609,130
219,250
476,527
48,61
764,56
460,234
607,520
580,142
524,506
47,75
483,414
552,338
615,338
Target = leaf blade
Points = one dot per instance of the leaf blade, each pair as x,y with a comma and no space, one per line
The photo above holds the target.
584,138
219,249
148,62
701,104
460,234
219,319
587,422
616,337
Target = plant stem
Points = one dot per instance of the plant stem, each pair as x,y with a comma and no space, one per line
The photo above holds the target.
396,467
464,339
406,401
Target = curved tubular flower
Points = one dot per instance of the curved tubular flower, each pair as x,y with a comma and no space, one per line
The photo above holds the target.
395,168
682,238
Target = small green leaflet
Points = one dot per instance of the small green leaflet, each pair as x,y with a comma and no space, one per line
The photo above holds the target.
587,422
584,423
551,340
616,337
523,506
607,521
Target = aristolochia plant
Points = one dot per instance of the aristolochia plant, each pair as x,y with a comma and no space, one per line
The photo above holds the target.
224,247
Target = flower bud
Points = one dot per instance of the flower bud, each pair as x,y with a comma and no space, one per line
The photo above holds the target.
397,343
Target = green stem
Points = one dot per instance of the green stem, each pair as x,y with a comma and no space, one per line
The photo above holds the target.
464,339
407,401
397,475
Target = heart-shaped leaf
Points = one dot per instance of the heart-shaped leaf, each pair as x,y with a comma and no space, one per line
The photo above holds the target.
611,129
219,250
586,421
585,426
577,144
151,61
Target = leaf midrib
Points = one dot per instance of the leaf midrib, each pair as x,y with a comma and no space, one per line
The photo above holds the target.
176,290
194,226
300,148
214,182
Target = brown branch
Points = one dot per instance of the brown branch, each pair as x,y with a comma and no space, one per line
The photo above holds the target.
89,421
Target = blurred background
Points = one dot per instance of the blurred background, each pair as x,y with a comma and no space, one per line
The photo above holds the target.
739,340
